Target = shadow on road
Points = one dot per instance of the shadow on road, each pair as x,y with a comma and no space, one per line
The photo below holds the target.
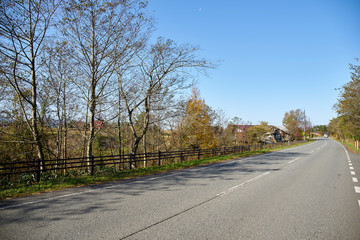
71,204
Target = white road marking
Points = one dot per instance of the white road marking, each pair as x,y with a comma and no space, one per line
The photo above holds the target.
357,189
155,178
48,199
347,154
241,185
351,168
294,160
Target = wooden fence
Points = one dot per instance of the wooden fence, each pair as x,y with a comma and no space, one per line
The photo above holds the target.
122,162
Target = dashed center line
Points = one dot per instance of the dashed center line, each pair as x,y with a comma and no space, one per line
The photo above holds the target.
355,179
352,173
357,189
351,168
294,160
240,185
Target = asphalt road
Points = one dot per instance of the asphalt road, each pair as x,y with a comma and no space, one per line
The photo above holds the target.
308,192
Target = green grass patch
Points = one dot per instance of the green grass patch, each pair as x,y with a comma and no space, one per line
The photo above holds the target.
110,174
349,145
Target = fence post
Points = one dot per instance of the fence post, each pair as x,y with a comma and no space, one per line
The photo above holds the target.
132,157
145,159
120,161
38,169
159,158
92,162
181,156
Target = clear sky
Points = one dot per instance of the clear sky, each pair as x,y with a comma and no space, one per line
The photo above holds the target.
276,56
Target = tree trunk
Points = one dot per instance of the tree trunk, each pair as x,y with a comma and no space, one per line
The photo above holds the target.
64,153
119,117
35,130
92,93
91,130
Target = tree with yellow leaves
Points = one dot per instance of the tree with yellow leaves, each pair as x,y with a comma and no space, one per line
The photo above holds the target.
195,129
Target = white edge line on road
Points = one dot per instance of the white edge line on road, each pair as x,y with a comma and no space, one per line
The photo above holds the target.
357,189
347,154
241,185
47,199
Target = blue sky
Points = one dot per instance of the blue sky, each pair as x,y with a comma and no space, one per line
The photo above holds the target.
275,56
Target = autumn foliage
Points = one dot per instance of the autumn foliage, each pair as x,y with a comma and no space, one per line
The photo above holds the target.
195,129
293,121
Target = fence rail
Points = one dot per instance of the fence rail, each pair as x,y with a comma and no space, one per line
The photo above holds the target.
124,162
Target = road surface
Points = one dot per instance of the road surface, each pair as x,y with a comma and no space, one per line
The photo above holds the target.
307,192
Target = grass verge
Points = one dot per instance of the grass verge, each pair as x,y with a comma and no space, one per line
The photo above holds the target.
109,175
349,146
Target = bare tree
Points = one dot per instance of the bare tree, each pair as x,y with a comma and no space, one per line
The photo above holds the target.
59,78
163,70
97,31
23,28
